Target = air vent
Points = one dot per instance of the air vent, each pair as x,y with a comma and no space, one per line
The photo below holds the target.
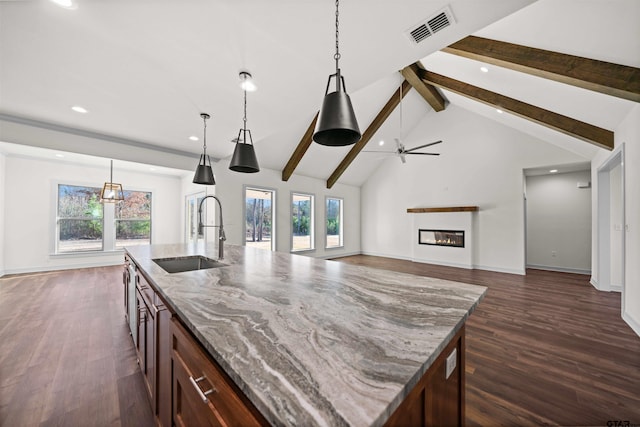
431,25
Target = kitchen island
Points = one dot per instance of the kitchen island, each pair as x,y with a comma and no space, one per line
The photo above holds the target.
314,342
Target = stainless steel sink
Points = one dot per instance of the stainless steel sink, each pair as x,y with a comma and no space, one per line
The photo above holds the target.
187,263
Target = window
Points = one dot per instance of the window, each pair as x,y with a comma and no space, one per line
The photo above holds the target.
259,215
84,224
79,219
302,222
133,219
334,223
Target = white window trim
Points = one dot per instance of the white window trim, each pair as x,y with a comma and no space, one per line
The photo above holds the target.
326,236
312,227
274,195
108,221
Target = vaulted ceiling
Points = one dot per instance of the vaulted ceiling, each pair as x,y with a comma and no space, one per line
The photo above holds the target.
146,69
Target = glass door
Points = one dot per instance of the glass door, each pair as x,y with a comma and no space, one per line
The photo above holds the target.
259,218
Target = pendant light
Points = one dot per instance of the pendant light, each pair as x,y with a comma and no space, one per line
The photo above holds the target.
244,156
337,125
204,173
111,192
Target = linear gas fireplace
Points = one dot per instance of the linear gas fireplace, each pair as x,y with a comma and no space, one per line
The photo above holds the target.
454,238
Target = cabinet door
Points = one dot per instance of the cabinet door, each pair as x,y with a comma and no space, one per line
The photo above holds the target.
163,364
438,398
202,392
126,277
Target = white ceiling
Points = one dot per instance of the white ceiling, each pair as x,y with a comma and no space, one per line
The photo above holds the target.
145,69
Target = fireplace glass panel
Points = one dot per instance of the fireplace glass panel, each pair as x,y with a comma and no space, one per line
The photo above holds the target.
454,238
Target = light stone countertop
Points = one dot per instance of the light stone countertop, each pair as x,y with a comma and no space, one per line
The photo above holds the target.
309,341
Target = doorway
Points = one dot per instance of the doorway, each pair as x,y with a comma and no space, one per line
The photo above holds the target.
192,201
611,225
259,224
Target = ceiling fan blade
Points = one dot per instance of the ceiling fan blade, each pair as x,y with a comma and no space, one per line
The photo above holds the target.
426,154
423,146
399,145
380,152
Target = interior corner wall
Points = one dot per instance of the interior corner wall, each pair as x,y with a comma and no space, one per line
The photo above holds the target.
559,222
29,217
3,205
481,164
230,189
627,133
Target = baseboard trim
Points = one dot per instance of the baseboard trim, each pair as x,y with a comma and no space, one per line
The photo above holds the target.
559,269
27,270
634,324
380,254
617,287
340,255
520,272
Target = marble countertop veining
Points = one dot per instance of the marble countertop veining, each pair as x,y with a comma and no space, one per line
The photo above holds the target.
310,341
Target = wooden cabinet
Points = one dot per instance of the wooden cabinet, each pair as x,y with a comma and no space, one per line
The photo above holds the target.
203,395
438,398
151,339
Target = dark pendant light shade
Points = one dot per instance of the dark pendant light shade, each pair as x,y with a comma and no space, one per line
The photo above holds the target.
204,172
337,124
244,155
244,158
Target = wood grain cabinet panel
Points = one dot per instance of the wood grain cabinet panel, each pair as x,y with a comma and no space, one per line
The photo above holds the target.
437,400
202,392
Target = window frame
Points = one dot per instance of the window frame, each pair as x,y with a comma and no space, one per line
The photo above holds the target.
274,195
341,223
108,220
115,218
312,219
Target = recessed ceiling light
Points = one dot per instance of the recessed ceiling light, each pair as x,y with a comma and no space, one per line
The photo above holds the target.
553,171
79,109
60,155
194,138
152,169
381,143
484,69
499,111
67,4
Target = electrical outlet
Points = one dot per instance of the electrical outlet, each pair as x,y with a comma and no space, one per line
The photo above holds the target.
451,363
554,254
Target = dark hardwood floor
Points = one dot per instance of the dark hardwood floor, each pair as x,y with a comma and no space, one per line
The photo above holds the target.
66,357
545,348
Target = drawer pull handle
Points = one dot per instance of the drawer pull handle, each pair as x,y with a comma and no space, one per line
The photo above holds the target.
203,395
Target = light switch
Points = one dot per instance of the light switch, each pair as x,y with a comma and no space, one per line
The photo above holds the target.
451,363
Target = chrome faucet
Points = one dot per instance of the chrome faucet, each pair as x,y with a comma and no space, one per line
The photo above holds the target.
221,236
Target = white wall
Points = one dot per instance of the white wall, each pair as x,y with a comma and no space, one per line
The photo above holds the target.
627,133
30,211
230,189
2,209
559,222
481,163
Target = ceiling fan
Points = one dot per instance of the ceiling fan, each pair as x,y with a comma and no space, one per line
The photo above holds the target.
401,151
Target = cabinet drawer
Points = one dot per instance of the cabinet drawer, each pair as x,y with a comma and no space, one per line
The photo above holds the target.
201,381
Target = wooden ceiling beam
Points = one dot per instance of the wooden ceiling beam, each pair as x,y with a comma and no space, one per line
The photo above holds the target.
605,77
427,91
384,113
300,150
595,135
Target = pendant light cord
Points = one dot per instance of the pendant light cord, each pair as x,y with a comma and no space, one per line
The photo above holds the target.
244,119
204,148
337,55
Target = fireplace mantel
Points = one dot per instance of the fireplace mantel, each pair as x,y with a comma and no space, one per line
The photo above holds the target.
444,209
